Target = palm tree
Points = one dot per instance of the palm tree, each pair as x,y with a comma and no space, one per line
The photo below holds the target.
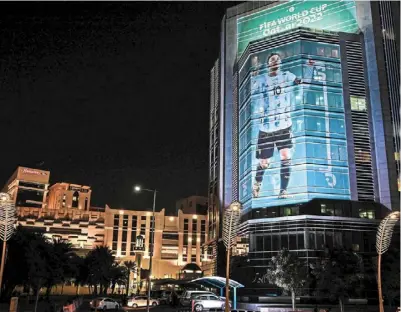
131,267
58,260
100,263
118,276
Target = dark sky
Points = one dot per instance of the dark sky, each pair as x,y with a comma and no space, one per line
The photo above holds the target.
109,95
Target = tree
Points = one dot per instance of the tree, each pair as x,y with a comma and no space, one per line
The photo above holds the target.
36,254
131,267
100,265
58,258
338,275
288,272
118,275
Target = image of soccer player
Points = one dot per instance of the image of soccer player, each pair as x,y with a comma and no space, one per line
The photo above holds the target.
275,126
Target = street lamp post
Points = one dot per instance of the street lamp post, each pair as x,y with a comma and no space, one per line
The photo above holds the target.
7,226
151,242
231,221
383,240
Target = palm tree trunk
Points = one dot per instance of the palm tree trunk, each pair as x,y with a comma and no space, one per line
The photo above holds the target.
293,299
37,297
341,303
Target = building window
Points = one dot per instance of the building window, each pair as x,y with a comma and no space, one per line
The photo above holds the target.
116,220
190,203
75,198
125,232
358,103
123,248
194,226
185,225
193,258
86,203
143,218
203,226
115,232
133,235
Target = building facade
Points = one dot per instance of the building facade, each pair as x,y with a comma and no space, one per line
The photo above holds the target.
177,239
61,211
307,133
64,211
66,195
28,187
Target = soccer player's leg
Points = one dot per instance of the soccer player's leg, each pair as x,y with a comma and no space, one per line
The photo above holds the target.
264,151
284,146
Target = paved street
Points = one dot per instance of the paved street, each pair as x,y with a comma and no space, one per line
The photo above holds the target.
85,308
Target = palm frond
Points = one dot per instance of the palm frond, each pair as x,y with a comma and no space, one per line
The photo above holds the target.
385,232
8,217
231,221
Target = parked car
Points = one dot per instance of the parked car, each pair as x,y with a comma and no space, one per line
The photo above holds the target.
207,302
165,297
104,304
141,301
188,295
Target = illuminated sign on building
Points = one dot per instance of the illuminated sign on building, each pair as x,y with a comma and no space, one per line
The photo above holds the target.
337,16
292,139
140,243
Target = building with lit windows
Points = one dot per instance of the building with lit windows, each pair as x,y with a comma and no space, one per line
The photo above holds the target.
302,131
28,187
177,238
66,195
61,211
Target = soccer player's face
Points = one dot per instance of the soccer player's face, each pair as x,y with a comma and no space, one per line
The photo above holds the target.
274,63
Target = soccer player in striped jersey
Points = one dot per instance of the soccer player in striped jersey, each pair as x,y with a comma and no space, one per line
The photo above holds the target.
275,126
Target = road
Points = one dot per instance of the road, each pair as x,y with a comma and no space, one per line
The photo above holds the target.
164,308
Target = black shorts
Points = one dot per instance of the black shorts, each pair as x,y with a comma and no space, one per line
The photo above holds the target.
268,140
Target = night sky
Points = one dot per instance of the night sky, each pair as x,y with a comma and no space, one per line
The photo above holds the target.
109,95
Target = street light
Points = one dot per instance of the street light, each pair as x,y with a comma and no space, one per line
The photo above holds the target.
137,188
231,222
7,226
383,240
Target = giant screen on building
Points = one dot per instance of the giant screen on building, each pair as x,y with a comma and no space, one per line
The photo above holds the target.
324,15
292,140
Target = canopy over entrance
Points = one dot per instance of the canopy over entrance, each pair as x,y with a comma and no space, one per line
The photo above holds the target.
219,282
216,282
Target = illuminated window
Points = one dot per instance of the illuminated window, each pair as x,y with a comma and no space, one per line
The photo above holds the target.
358,103
367,214
334,53
320,51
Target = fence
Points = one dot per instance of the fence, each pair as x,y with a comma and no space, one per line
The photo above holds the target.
73,306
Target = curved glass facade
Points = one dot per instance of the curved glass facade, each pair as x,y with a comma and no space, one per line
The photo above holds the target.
292,135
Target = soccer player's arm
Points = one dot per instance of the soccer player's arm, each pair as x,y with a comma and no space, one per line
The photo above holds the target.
294,79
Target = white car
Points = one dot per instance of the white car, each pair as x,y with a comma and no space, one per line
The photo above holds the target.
141,301
187,296
104,304
207,302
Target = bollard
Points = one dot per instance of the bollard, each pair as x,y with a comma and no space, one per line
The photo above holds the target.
13,304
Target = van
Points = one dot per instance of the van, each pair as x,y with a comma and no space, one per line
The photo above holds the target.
188,295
